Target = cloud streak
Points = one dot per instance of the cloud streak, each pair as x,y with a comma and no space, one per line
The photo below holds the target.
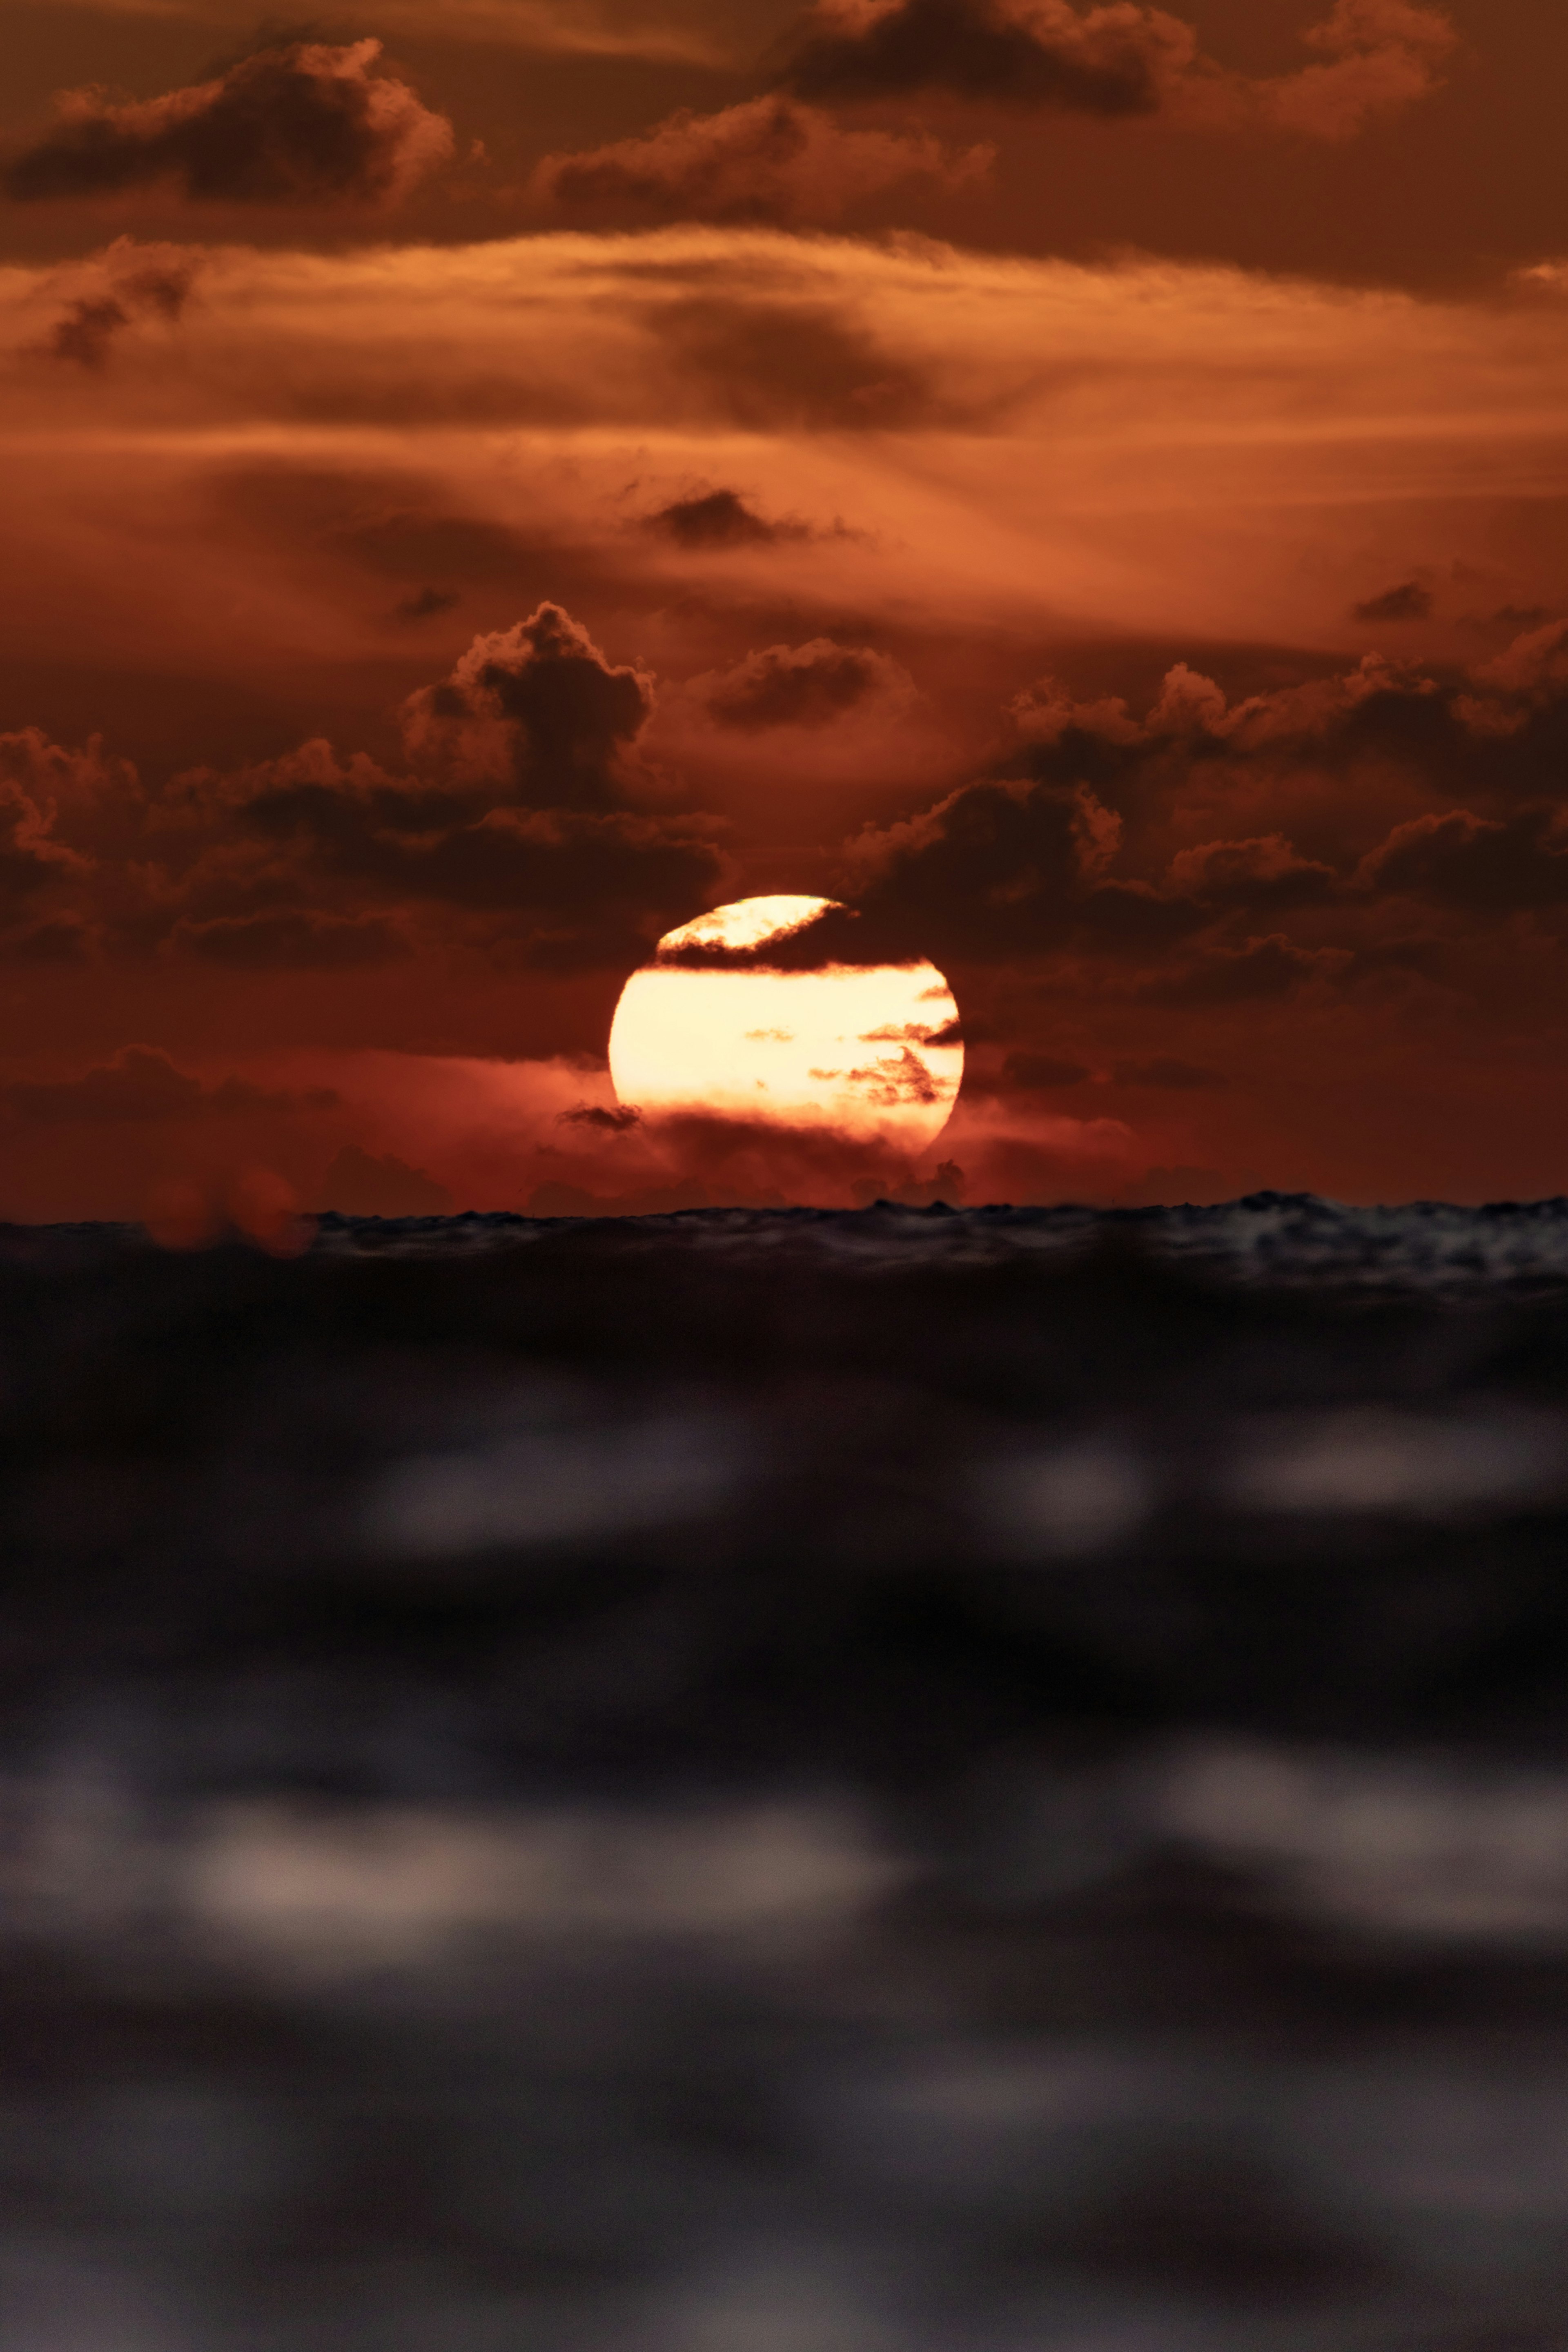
769,159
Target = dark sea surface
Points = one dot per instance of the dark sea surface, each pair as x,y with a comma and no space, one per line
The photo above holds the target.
904,1782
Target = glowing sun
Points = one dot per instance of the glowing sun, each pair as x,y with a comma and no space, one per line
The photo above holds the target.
870,1051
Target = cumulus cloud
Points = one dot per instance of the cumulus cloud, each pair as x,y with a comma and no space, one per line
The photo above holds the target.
559,888
509,830
1495,733
992,869
296,123
540,706
769,159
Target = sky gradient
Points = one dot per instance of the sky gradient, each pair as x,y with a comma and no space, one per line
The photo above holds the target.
1081,488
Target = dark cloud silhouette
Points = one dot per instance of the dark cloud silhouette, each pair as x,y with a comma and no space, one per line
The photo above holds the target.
581,886
504,833
603,1120
1478,863
717,519
540,705
994,870
1258,873
799,686
1112,60
143,1084
426,603
1409,601
295,123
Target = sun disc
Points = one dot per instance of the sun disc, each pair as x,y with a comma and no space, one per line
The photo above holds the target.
869,1051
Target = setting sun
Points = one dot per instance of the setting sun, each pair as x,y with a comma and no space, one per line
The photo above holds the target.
871,1052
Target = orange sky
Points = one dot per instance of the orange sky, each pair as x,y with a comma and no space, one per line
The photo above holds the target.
1081,486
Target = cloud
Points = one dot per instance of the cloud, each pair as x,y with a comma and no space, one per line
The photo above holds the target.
29,859
36,777
505,835
296,124
424,603
993,870
1112,60
766,160
562,888
143,1083
1375,56
801,366
1482,864
87,331
603,1118
1381,55
127,280
1266,871
717,519
802,686
1489,740
1264,968
1409,601
540,706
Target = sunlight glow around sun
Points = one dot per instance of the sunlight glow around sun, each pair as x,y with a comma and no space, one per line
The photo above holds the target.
848,1047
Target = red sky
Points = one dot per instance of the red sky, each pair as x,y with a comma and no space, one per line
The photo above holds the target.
1082,485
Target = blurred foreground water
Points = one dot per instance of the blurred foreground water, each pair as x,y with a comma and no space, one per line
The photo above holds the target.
904,1781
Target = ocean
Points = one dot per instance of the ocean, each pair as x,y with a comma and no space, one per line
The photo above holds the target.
913,1780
